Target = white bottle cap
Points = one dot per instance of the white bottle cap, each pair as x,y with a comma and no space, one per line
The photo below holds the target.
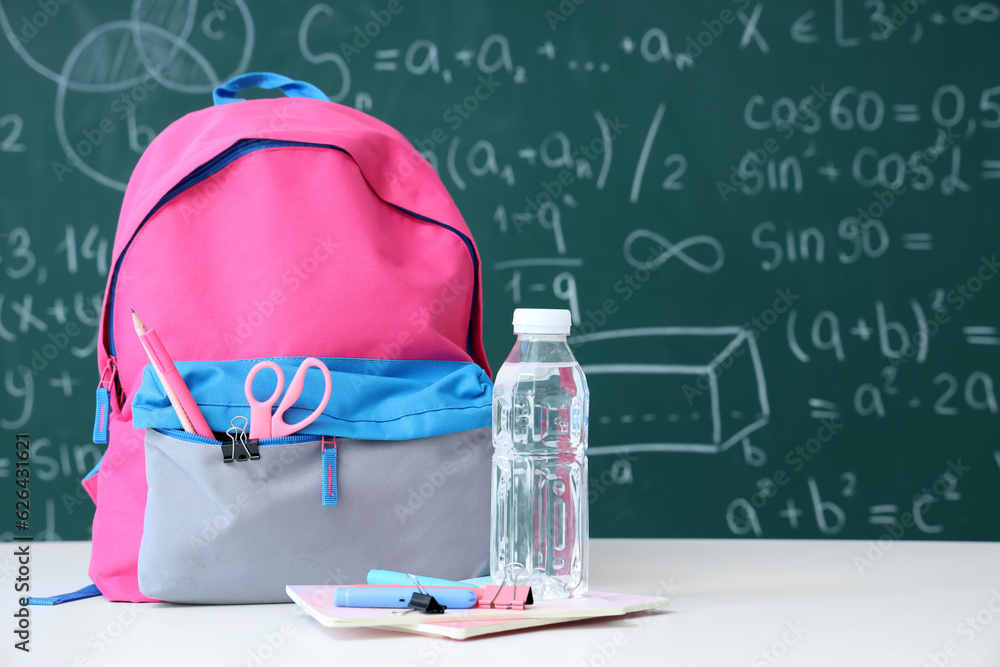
542,321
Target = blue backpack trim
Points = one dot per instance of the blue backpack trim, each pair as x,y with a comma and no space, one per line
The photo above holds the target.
372,399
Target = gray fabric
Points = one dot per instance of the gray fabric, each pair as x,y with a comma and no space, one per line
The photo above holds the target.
240,532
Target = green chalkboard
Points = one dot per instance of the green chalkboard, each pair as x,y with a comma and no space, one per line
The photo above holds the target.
775,225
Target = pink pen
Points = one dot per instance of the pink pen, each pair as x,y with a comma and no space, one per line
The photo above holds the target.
177,391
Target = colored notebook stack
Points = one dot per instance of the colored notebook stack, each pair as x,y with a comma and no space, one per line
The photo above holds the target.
467,623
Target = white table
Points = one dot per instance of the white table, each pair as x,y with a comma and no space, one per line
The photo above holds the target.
733,603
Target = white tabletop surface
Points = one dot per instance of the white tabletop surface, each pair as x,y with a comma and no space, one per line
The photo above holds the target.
756,603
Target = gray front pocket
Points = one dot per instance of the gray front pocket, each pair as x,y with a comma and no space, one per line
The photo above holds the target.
239,532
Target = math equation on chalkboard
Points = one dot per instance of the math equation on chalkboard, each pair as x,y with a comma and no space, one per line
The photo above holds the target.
775,226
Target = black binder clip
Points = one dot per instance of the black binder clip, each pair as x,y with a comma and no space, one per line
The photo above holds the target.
425,603
239,447
421,601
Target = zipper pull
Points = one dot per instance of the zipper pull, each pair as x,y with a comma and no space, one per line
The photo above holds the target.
329,448
103,411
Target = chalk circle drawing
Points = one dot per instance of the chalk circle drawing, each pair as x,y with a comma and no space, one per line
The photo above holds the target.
121,55
179,18
710,396
113,70
671,250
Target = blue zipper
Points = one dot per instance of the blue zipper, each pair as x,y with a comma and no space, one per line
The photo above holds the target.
202,440
225,158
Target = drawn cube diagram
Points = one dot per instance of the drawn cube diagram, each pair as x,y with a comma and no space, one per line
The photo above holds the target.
672,389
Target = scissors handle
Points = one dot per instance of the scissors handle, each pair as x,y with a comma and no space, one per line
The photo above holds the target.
279,427
260,411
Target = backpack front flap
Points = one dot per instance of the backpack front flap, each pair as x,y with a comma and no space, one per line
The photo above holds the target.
275,228
333,210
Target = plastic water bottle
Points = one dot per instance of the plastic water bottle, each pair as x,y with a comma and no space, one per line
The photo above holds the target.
540,409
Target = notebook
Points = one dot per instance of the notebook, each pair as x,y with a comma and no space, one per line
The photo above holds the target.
466,623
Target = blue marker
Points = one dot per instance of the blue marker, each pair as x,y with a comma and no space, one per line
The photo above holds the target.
398,597
388,577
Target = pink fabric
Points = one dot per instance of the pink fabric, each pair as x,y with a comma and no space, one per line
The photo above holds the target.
285,252
90,486
356,278
390,166
118,520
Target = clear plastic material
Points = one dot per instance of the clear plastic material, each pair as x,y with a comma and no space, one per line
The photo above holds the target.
540,410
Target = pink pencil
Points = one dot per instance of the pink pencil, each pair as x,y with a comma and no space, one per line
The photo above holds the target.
180,397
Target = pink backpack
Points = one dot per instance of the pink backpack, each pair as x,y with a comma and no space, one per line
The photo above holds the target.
282,229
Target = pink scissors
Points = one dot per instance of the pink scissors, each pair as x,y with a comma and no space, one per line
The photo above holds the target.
265,425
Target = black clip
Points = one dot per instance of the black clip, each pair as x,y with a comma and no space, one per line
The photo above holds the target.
250,451
425,603
421,601
246,450
239,448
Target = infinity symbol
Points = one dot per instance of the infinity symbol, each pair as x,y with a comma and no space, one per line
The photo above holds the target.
984,12
672,250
